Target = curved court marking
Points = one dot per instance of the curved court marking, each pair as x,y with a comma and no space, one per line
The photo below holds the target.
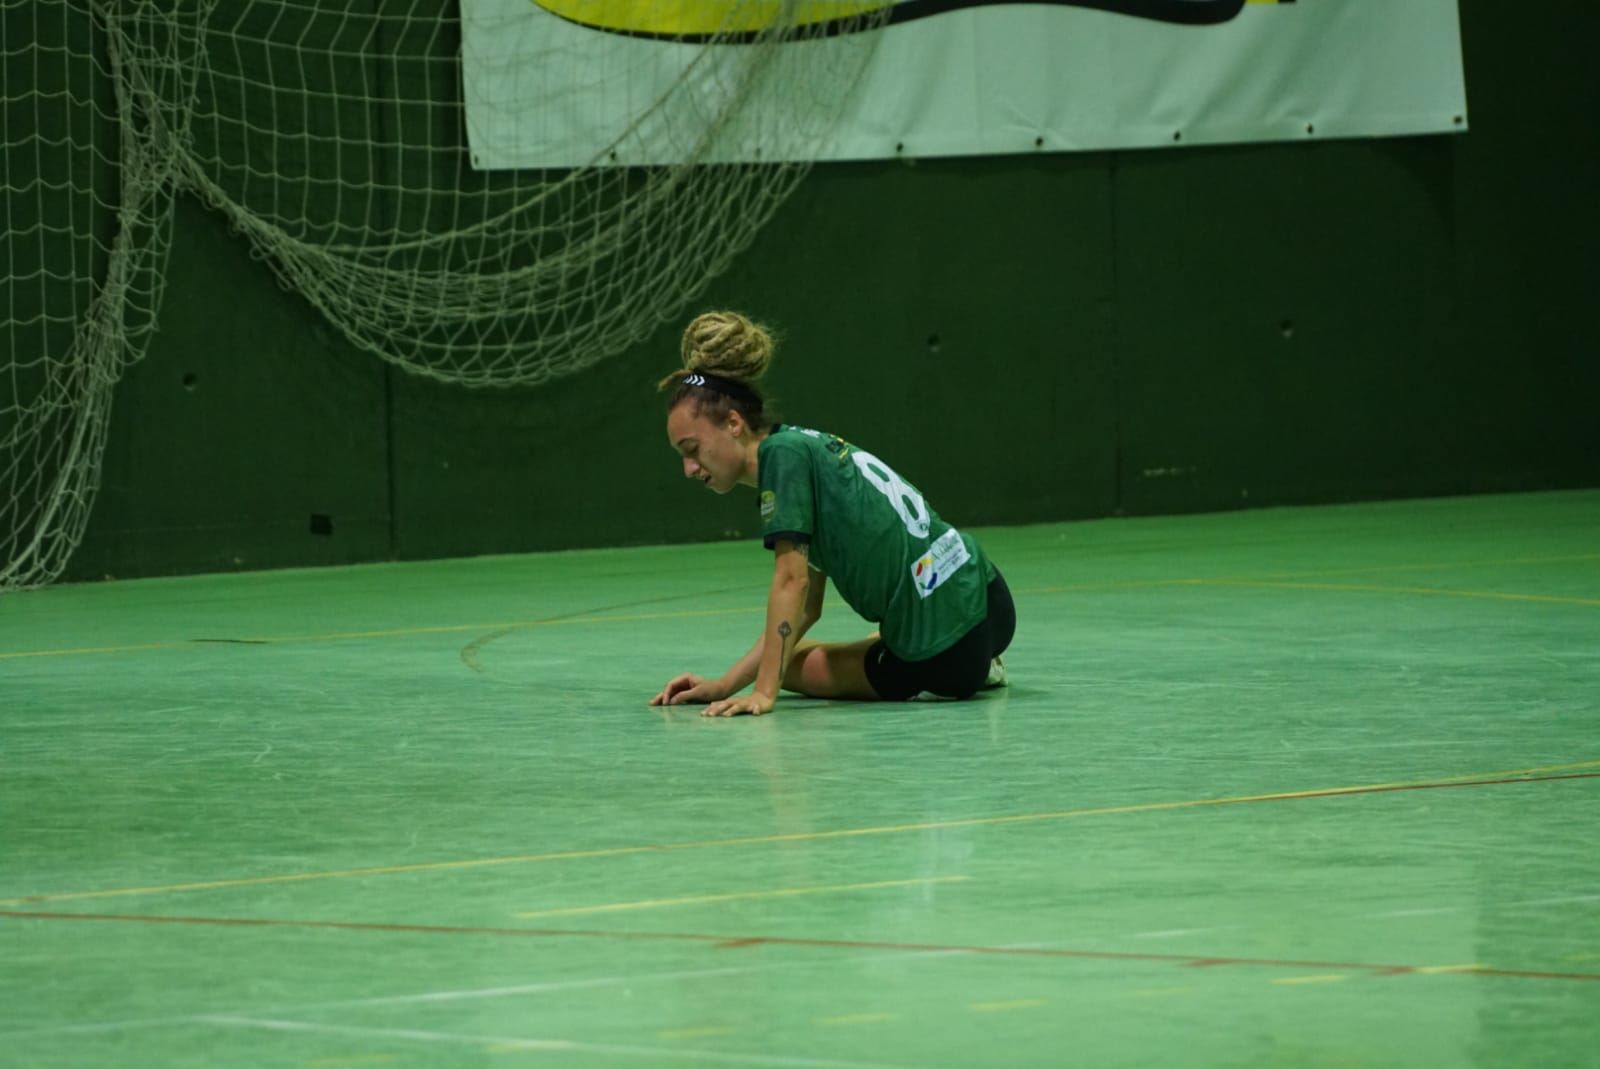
727,942
1482,779
1285,580
469,652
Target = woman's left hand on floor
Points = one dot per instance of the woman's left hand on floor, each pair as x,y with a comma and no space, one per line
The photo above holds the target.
754,704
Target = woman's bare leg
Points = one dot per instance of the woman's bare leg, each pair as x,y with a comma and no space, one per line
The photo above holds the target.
831,670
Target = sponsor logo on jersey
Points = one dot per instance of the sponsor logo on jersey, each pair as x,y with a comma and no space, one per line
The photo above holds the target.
769,503
944,556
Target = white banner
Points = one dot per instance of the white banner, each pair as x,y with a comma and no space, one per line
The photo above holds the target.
957,77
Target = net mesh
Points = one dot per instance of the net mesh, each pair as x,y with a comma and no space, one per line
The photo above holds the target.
333,135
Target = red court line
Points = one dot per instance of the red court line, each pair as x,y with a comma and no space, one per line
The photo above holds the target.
738,942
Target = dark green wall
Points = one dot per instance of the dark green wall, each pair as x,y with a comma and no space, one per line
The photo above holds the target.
1026,338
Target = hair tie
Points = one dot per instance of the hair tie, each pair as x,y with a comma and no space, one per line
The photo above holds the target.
729,387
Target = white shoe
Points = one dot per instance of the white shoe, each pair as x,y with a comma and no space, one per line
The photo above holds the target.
996,676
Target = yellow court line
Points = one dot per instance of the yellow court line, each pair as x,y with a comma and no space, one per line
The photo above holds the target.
857,1018
1326,978
1500,562
696,1033
1435,566
694,900
74,651
1366,588
765,840
1282,579
997,1007
398,632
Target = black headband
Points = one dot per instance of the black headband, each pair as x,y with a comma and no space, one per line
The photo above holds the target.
731,387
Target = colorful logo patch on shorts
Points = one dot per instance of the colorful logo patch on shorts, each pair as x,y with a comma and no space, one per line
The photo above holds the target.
930,570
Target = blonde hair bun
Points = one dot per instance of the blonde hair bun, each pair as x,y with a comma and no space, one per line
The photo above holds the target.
727,344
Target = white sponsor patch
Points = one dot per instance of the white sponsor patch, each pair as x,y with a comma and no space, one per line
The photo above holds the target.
946,554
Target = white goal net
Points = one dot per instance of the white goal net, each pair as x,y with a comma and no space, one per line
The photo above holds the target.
332,134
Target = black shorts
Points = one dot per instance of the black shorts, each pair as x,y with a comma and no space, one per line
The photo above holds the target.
955,672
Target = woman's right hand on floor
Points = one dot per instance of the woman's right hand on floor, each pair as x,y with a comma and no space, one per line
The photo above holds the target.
689,688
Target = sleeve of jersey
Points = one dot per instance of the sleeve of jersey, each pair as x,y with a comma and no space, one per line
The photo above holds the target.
788,506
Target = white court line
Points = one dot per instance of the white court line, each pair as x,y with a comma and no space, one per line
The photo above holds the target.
273,1024
382,1000
396,1000
1415,912
1558,901
1170,933
1536,903
613,981
487,992
516,989
521,1043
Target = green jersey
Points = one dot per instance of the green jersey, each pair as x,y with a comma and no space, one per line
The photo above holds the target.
889,554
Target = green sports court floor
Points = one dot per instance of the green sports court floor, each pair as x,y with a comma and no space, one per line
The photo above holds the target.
1312,787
